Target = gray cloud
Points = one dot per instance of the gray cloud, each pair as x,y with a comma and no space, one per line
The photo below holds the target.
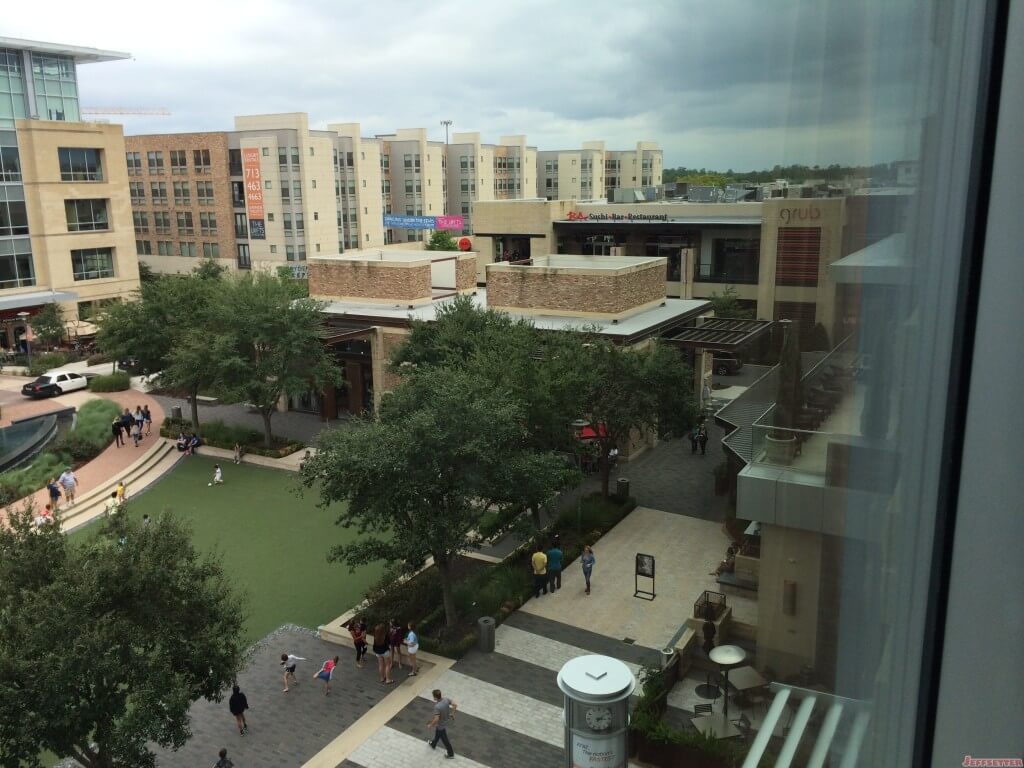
731,83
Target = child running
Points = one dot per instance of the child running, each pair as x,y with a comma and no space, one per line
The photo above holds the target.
357,628
289,663
218,475
326,674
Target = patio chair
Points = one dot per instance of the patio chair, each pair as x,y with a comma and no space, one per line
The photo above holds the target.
743,723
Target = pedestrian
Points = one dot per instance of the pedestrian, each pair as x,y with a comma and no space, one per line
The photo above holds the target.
412,647
117,432
381,650
289,663
237,705
702,438
444,713
147,419
709,631
326,674
136,432
395,637
69,483
112,504
126,422
121,491
54,488
587,561
237,458
145,521
693,441
728,565
539,561
357,628
223,762
139,418
218,476
555,567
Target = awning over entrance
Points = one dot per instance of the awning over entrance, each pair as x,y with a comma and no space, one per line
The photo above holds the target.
34,299
338,334
720,333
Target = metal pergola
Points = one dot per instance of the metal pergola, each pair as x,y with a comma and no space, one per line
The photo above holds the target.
718,333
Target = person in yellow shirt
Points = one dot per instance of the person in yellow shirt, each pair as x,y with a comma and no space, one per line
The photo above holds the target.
540,572
120,491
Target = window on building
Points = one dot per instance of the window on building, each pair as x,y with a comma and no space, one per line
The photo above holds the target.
311,152
92,263
204,191
16,268
318,247
295,157
201,160
407,161
408,188
162,222
243,256
234,162
158,191
86,215
385,162
289,252
285,194
141,221
134,160
208,223
78,164
287,223
182,193
165,248
296,190
349,161
144,247
179,165
797,256
185,223
238,194
299,224
273,249
187,249
211,251
13,213
241,225
270,216
282,157
301,253
266,151
316,216
155,161
268,184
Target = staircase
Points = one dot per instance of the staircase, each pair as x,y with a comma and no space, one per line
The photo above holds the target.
157,460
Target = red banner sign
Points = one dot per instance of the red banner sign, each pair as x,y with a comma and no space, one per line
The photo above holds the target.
253,182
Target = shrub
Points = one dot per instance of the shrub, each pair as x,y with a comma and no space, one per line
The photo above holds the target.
98,359
47,362
114,382
221,435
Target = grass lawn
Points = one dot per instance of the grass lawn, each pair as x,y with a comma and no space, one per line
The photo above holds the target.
273,541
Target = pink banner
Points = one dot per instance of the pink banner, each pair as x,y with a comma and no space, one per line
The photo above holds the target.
450,222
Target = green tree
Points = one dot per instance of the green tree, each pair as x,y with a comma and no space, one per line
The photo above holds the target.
442,240
106,642
209,269
445,445
727,305
628,391
146,273
48,324
271,344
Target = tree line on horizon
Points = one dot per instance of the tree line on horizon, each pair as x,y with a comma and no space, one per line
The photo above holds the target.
880,172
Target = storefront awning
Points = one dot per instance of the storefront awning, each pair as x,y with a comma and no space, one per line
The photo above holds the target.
34,299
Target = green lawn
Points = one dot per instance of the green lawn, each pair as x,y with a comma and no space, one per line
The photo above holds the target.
272,540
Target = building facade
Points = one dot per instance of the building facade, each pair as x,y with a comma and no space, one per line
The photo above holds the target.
596,173
414,170
66,233
480,172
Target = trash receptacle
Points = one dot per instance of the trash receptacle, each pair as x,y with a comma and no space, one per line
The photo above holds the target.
622,488
667,654
176,413
485,628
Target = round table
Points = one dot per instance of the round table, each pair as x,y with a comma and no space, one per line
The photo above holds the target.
727,656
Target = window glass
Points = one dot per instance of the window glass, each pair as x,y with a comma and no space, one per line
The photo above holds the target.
92,263
78,164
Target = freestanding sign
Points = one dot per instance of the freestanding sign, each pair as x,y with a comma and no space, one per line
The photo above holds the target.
645,568
596,714
254,192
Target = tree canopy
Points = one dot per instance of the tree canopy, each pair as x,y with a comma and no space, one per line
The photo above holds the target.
441,240
727,305
48,324
106,641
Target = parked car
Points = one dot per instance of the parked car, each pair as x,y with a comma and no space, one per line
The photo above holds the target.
726,363
55,383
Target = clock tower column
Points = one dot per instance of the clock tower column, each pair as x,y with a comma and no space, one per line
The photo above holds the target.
596,714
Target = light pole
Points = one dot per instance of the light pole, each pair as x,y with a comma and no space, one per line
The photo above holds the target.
447,124
23,316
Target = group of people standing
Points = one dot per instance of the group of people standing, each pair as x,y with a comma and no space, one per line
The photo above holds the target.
387,646
136,425
547,568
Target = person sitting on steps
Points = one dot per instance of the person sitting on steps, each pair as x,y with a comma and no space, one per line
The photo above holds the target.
728,565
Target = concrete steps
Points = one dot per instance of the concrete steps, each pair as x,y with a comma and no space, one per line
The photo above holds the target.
159,458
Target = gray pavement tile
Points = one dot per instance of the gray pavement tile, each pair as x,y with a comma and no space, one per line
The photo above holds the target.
479,740
513,675
582,638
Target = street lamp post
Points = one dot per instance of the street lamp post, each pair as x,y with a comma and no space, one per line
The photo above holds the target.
447,124
23,316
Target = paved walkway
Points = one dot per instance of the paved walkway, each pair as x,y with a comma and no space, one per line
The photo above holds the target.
303,427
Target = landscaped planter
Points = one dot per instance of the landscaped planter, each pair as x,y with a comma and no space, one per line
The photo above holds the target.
780,451
666,755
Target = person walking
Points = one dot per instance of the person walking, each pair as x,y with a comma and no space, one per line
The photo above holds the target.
136,432
587,561
121,491
381,650
54,488
237,705
117,432
223,761
702,438
237,457
147,419
412,647
694,442
126,422
326,674
395,637
539,561
554,556
69,483
357,628
444,713
289,663
139,418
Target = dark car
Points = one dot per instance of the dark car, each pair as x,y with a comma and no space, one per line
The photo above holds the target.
54,383
726,363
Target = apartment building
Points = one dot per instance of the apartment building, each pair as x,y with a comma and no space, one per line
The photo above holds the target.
595,173
414,173
181,199
66,233
477,171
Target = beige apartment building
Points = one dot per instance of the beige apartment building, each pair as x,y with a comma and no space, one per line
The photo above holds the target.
477,171
66,233
415,169
594,172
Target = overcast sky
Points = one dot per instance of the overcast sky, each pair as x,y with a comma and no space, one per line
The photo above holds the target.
737,84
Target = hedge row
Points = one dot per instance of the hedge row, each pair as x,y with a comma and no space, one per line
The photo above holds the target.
221,435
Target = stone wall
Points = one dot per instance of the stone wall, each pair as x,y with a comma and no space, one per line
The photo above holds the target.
368,280
465,273
572,292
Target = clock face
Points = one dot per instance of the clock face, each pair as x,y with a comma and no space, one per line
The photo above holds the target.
599,718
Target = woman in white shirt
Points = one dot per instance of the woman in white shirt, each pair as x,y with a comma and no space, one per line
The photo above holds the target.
412,646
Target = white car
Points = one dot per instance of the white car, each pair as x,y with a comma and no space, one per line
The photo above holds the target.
55,383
